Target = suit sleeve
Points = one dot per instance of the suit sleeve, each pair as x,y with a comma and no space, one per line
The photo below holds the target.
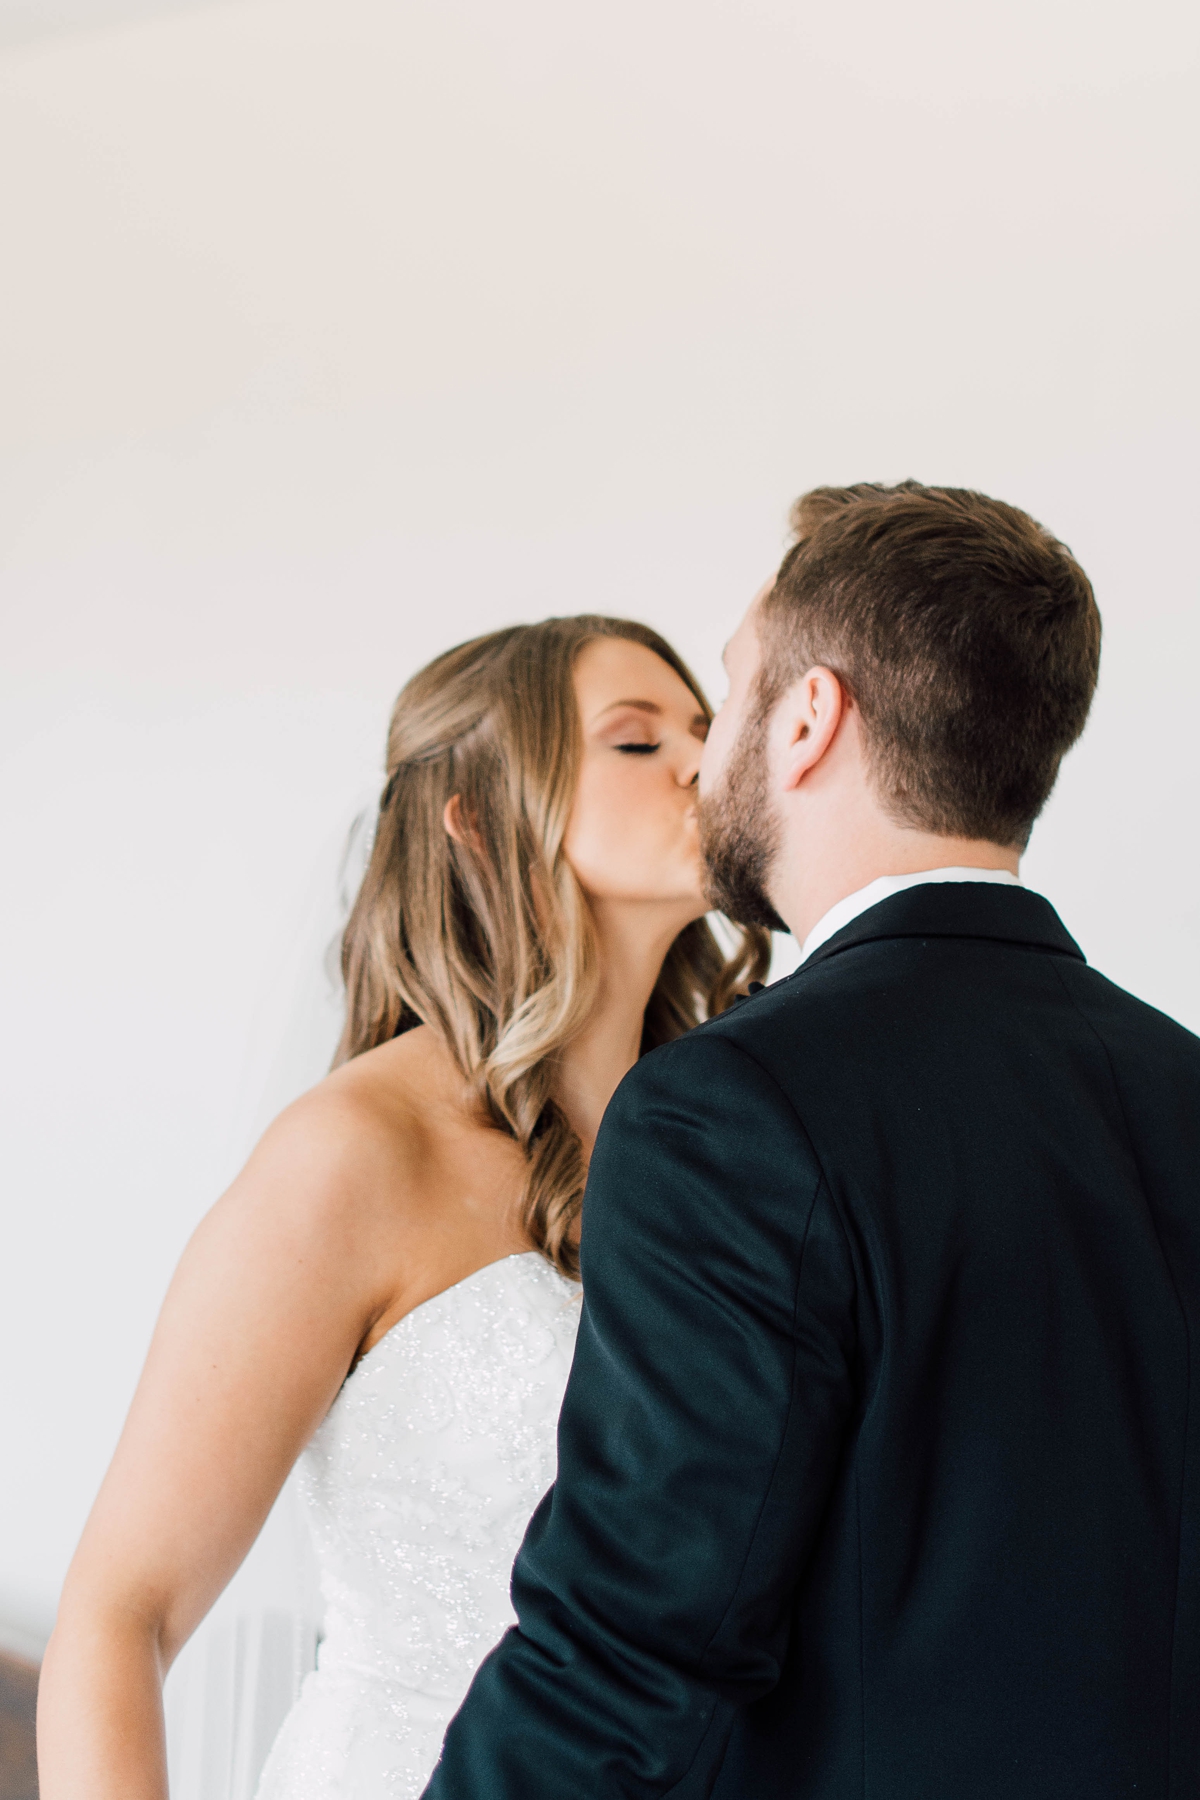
706,1412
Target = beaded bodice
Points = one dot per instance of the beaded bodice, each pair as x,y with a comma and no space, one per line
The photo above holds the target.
419,1485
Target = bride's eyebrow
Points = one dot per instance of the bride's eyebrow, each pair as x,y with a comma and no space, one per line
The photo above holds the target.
646,706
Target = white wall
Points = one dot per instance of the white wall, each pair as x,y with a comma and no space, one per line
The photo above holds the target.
334,331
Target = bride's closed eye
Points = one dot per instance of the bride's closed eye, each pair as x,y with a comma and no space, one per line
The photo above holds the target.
636,749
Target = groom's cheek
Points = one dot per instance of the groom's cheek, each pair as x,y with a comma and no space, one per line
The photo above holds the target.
712,757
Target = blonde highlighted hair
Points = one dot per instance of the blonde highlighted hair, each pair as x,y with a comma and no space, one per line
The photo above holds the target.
489,940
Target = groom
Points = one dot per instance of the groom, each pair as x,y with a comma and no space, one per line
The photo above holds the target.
879,1468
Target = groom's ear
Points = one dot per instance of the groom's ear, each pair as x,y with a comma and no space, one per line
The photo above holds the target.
807,722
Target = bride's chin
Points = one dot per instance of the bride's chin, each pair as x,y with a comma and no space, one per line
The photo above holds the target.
698,904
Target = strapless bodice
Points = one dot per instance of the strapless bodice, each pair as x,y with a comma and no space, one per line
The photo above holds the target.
419,1485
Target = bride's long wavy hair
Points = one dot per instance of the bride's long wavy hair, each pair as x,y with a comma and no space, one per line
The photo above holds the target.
490,941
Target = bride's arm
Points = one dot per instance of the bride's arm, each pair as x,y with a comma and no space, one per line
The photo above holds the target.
271,1299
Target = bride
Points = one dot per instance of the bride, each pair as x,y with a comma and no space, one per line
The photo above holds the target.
389,1289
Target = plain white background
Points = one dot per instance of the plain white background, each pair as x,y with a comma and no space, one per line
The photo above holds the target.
335,331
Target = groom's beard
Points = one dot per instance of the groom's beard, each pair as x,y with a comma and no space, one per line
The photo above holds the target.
739,835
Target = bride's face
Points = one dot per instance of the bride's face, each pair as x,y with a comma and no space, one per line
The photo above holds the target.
632,835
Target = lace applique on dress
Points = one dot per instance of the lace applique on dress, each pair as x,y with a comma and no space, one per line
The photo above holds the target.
419,1484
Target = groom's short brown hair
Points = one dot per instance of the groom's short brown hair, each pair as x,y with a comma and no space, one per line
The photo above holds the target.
967,635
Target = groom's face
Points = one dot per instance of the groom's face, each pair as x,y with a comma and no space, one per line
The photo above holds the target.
739,824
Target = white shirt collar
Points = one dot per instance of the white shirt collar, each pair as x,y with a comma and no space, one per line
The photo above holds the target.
883,889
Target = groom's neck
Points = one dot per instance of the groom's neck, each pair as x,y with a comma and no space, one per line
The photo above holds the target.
824,857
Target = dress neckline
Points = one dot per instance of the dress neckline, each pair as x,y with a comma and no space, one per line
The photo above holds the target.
455,1287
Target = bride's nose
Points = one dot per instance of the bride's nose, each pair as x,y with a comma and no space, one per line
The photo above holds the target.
689,769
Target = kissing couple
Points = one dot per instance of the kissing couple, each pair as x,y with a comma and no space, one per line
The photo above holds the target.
878,1464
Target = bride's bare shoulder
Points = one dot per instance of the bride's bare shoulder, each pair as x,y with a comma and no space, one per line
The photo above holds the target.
385,1171
381,1182
372,1127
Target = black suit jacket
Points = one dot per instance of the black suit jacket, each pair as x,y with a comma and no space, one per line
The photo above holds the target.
878,1463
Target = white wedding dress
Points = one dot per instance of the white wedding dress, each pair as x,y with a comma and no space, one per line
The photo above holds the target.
418,1486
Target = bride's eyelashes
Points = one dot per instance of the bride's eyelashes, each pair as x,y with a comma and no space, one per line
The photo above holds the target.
637,749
